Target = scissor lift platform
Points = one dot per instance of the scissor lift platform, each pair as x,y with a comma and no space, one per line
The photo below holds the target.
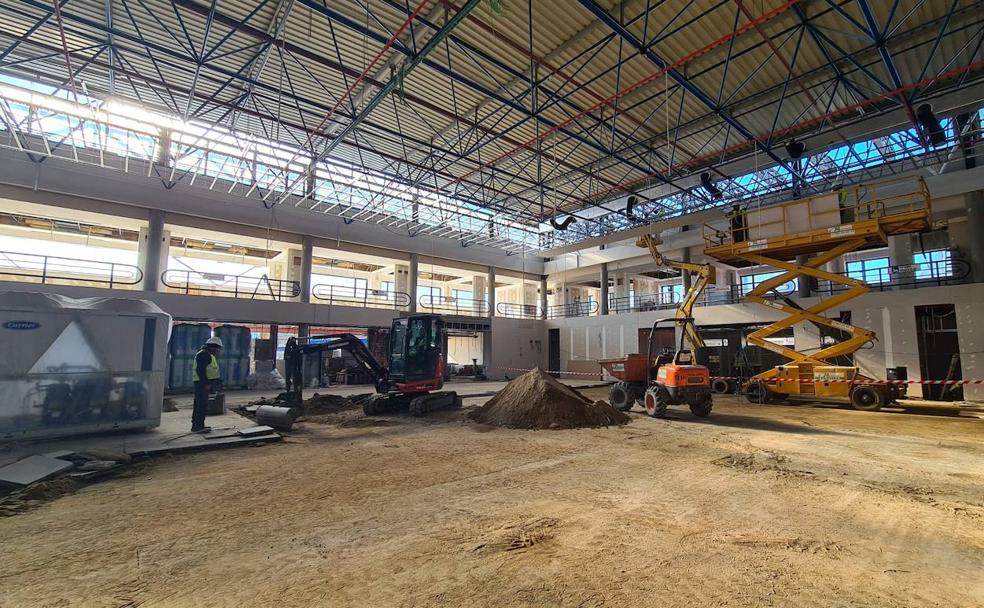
823,228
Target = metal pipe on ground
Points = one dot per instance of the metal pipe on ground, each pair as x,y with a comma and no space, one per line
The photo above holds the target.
280,418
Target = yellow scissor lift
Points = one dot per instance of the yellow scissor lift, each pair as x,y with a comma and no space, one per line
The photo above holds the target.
824,228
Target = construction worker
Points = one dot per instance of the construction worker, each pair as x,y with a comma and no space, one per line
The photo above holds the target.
739,225
205,373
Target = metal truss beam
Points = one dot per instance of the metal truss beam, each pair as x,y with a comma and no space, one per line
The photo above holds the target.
681,80
880,39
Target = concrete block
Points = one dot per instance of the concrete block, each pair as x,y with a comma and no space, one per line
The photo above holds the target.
221,434
33,468
256,431
61,454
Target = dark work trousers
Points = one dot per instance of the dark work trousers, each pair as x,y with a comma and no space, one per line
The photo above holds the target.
201,406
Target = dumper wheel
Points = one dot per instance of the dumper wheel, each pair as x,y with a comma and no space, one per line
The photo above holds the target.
867,398
656,400
621,396
702,408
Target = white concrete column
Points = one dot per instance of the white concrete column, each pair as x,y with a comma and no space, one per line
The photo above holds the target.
480,287
412,281
900,252
491,288
603,301
543,297
622,285
975,227
307,267
164,149
401,280
152,250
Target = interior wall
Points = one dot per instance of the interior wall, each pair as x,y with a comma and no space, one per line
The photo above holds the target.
516,345
462,349
890,314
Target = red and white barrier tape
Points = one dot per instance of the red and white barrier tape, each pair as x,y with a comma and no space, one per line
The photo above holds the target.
975,381
526,369
600,374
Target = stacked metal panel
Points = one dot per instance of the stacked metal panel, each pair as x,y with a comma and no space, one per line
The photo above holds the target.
186,340
234,360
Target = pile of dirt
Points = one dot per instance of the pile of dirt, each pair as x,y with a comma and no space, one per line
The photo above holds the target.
37,494
327,404
536,400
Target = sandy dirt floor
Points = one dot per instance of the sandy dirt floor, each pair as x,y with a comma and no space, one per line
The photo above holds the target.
755,506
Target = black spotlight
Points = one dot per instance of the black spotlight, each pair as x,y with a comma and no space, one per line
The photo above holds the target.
562,225
714,191
795,149
630,204
930,124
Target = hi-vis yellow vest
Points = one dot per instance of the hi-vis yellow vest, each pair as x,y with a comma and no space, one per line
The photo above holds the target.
211,372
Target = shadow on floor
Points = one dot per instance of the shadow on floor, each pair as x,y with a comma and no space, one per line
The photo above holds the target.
757,423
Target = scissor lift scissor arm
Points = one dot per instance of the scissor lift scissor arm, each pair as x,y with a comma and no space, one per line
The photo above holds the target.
876,212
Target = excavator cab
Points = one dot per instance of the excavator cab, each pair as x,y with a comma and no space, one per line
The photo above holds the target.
416,363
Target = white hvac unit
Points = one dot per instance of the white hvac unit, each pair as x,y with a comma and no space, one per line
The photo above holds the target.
72,366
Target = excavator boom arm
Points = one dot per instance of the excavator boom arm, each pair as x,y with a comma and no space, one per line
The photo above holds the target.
295,351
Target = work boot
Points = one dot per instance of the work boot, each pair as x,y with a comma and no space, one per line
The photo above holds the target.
203,429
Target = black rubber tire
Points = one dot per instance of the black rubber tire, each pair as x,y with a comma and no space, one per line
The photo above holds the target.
702,409
758,392
867,398
621,396
656,401
721,386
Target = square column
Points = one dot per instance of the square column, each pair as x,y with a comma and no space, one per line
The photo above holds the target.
900,253
412,282
401,280
603,278
491,288
307,267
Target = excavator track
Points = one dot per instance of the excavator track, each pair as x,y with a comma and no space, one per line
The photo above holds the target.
383,404
423,404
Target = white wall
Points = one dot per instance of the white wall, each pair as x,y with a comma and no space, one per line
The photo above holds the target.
517,345
462,349
890,314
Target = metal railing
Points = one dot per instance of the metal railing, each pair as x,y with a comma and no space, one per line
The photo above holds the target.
937,273
510,310
669,301
360,296
46,269
192,282
573,309
450,305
